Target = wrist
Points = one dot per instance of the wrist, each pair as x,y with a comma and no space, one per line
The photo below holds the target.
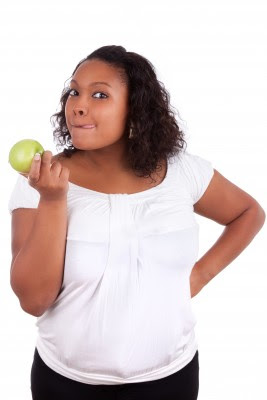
60,202
201,273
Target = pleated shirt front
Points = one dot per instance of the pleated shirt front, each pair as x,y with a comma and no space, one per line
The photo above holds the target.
123,314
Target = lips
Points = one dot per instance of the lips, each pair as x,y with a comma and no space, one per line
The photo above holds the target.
84,126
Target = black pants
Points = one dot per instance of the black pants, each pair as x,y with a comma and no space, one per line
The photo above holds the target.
46,384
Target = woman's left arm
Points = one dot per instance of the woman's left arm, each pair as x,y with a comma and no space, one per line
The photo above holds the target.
242,216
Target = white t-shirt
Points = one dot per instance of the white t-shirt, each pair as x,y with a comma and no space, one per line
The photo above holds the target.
123,314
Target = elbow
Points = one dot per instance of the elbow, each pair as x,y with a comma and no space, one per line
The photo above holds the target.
260,214
29,309
263,215
35,312
28,302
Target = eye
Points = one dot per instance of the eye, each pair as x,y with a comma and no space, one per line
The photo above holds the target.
101,93
70,90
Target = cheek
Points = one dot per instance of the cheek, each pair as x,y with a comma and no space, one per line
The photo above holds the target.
117,114
115,122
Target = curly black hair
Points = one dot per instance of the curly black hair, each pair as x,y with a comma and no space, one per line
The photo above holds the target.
154,132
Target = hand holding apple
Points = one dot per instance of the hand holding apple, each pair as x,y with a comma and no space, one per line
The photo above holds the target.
49,179
22,153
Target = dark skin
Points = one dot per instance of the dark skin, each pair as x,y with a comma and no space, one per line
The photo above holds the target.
101,164
103,147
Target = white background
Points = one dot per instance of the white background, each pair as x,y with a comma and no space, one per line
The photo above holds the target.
211,57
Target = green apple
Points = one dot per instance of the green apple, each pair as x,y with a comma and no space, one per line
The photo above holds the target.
22,153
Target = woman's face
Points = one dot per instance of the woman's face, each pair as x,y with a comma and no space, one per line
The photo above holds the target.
90,103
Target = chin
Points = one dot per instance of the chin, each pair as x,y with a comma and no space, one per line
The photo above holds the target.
83,145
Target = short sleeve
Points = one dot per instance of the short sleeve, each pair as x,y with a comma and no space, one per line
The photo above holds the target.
23,195
197,172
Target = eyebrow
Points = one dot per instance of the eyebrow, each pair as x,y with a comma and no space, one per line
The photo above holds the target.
93,83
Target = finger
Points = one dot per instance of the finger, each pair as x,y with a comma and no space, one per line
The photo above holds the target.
65,173
45,163
34,172
56,168
23,174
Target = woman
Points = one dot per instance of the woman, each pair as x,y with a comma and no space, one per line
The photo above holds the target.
106,257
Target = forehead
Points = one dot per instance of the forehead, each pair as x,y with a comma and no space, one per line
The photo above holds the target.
96,70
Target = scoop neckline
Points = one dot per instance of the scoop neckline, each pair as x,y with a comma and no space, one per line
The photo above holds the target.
129,195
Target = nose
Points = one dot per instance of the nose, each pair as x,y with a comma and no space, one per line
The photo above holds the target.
80,111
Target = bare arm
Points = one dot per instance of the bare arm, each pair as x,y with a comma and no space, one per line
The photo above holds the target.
39,238
37,270
242,216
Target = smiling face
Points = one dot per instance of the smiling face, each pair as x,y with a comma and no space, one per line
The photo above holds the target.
105,106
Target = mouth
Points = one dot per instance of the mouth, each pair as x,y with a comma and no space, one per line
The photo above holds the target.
84,126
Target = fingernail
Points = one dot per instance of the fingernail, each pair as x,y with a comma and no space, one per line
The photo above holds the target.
37,156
